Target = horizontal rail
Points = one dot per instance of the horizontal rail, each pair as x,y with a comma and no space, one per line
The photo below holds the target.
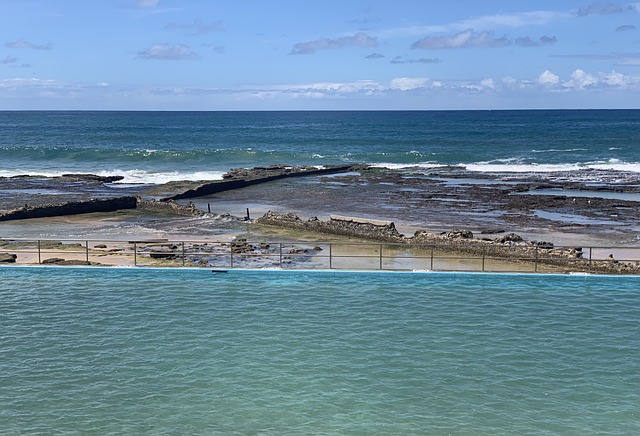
323,255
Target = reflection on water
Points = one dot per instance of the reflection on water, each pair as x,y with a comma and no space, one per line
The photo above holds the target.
573,218
628,196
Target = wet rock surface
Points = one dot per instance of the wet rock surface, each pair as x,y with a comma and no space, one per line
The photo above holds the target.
444,199
511,247
603,205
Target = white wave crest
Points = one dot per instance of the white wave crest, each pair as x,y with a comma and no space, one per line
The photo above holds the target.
157,178
613,164
512,166
129,176
398,166
558,150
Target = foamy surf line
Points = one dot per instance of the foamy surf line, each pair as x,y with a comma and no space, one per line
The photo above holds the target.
488,167
129,176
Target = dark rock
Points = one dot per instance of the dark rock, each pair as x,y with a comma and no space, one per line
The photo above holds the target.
53,261
460,234
240,246
93,178
169,206
70,208
162,255
542,244
8,258
491,231
509,237
61,261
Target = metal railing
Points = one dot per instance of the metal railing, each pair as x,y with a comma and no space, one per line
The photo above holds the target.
322,255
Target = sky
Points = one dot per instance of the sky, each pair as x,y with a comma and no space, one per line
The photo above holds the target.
318,55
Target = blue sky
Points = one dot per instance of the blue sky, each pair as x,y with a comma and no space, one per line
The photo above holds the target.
293,54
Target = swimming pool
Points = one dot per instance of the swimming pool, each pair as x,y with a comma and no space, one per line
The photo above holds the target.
128,350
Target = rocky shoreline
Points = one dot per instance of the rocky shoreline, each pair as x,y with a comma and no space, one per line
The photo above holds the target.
510,246
72,190
584,208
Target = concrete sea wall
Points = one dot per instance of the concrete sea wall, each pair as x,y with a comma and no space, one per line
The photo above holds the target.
70,208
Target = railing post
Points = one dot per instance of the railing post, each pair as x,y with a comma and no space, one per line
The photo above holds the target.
535,263
231,255
183,254
280,244
484,250
590,254
431,267
86,247
135,253
380,256
330,256
39,253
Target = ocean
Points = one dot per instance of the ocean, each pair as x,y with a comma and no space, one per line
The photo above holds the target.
149,351
156,147
129,351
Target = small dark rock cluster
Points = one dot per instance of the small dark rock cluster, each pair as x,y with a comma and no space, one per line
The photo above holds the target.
8,258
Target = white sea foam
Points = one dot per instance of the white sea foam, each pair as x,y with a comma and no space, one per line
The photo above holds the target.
142,176
13,173
130,176
613,164
558,150
486,167
397,166
513,166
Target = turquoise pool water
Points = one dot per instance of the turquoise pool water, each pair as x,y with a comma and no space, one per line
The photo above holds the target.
129,351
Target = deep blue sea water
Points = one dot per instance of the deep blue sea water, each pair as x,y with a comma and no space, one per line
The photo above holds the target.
139,351
160,146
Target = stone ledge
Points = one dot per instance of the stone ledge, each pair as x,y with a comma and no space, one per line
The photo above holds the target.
355,220
70,208
510,247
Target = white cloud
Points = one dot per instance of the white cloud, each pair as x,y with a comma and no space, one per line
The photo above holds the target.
625,28
329,87
509,81
197,27
511,20
360,39
547,78
600,9
488,83
515,20
168,52
465,39
581,80
613,79
529,42
9,60
21,82
402,60
145,4
630,62
408,83
13,92
21,43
